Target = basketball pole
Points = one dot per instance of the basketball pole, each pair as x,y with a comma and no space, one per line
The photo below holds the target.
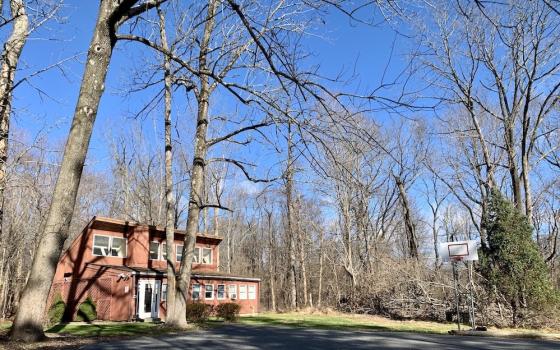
471,289
456,282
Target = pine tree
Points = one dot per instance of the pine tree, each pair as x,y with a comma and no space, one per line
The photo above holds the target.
512,262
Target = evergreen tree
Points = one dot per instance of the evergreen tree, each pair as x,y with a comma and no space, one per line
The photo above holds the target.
511,262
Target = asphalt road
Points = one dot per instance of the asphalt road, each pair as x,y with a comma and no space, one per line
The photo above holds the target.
251,337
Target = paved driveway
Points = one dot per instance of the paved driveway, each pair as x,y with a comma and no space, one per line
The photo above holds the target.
252,337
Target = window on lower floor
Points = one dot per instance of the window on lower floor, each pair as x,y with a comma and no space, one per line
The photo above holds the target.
164,292
242,292
209,291
252,292
233,291
196,292
109,246
221,292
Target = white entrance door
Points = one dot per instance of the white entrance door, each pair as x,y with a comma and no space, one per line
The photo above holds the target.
148,298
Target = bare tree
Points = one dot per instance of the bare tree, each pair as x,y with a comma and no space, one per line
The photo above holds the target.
10,58
28,325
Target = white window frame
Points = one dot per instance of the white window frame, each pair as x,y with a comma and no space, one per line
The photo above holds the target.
218,291
164,292
211,256
199,290
196,255
158,250
178,252
209,285
163,248
242,295
110,247
254,292
234,288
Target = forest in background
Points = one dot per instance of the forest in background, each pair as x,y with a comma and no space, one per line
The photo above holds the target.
334,198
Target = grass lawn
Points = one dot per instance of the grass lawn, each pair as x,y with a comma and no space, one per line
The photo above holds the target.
336,320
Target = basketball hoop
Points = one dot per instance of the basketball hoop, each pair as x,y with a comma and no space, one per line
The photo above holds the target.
458,251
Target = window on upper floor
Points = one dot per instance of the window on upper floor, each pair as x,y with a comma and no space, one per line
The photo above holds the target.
163,254
109,246
196,255
178,252
206,256
154,250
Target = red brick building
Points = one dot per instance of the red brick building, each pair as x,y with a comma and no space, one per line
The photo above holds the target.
121,265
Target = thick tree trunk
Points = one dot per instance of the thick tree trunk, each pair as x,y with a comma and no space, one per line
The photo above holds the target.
290,224
10,58
171,318
28,324
198,170
409,224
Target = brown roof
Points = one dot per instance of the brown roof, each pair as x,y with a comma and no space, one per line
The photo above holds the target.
100,221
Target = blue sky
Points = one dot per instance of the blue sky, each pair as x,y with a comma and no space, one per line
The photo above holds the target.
348,46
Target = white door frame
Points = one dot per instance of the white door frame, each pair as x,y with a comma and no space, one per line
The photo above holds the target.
150,310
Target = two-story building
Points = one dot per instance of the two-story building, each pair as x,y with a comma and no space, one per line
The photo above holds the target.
122,266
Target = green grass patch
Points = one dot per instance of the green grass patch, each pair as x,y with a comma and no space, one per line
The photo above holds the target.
343,321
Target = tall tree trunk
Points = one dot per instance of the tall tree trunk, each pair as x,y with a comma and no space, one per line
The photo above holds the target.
271,261
172,318
409,224
28,324
198,169
320,288
525,167
10,58
301,246
290,223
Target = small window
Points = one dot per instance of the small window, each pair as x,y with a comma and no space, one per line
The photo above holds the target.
179,252
164,251
164,292
252,292
196,255
209,291
154,250
196,292
233,291
221,292
242,292
206,256
109,246
118,247
101,245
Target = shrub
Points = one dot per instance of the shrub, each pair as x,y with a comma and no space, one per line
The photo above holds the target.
511,261
228,311
56,310
87,311
198,312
